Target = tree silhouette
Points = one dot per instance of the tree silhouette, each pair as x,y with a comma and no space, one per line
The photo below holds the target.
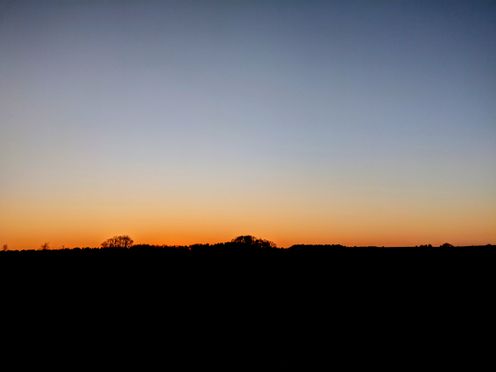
5,247
447,245
251,241
119,241
45,246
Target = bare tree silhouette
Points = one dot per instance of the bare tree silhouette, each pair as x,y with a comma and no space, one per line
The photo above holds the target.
119,241
5,247
45,246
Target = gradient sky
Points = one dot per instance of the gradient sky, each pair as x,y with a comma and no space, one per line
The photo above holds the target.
352,122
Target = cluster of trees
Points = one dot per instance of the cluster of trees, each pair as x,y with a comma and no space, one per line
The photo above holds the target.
243,241
119,241
251,241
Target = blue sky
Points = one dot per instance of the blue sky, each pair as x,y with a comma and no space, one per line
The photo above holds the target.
336,113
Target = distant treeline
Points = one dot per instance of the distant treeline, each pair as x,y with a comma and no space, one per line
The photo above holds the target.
243,249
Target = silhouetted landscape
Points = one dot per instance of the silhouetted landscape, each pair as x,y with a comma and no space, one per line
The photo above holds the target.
304,307
247,246
338,122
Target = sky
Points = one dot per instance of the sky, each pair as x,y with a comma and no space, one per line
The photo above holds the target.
179,122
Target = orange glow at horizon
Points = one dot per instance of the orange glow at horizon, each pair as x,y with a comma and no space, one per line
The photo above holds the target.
33,222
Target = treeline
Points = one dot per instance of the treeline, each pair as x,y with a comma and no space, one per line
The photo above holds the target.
250,249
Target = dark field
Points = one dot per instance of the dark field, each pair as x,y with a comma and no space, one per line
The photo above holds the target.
239,307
